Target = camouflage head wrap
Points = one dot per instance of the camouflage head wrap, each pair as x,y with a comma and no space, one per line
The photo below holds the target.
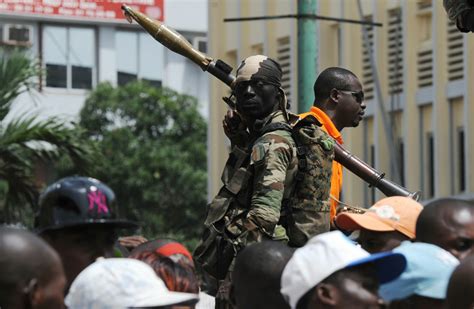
265,69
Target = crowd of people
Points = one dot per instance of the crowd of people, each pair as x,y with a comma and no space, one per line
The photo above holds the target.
275,236
397,254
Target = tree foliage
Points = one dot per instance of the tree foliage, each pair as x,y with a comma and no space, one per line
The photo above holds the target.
153,145
25,141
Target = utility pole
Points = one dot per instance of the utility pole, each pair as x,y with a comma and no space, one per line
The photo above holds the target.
307,45
307,54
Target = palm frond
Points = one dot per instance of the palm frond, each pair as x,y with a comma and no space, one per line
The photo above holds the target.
44,139
21,191
26,140
17,75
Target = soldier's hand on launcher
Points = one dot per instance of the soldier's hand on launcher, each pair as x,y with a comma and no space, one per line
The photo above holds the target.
235,129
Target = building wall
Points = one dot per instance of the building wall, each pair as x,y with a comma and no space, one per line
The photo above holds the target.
189,17
423,69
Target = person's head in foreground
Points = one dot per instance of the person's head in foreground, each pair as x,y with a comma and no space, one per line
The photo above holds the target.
257,274
449,224
384,225
332,272
173,263
123,283
32,275
257,88
167,248
424,282
77,217
461,286
177,276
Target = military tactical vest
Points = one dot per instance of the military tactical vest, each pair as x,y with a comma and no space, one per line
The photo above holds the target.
306,212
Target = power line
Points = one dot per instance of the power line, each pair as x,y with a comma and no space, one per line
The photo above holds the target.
307,16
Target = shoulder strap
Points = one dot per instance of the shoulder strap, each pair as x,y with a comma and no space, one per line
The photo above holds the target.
277,126
308,120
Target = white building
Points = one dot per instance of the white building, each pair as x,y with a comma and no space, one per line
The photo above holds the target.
84,42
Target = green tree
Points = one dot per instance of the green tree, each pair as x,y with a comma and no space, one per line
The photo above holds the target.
153,142
25,141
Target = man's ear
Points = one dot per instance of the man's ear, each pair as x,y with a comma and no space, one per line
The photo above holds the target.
279,96
32,293
334,95
327,294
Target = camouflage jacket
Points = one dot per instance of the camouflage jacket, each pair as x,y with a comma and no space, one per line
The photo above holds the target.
256,181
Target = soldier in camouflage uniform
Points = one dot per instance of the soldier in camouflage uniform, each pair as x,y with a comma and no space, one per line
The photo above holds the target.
461,12
259,175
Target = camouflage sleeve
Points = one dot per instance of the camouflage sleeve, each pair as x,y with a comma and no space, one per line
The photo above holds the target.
271,157
236,158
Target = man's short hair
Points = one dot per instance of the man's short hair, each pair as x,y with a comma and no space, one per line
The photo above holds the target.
432,215
257,274
333,77
24,257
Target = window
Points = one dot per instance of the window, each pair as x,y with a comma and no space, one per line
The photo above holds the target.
284,59
461,166
425,45
455,48
401,157
425,66
395,51
367,76
430,163
372,163
424,5
138,57
69,63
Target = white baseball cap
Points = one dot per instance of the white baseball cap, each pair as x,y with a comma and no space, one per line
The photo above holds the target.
327,253
121,283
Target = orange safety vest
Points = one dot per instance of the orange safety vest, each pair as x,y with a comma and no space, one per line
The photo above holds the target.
336,178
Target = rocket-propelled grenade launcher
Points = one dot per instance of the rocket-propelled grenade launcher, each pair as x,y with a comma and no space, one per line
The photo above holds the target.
177,43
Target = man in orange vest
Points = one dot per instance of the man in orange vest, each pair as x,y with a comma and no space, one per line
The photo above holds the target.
338,103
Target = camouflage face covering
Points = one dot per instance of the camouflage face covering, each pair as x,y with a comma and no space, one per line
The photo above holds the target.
264,69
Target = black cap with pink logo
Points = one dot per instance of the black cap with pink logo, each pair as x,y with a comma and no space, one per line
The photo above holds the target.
76,201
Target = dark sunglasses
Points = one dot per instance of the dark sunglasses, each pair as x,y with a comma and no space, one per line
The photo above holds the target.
359,95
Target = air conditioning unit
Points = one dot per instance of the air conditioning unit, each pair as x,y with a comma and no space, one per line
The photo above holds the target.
17,34
200,43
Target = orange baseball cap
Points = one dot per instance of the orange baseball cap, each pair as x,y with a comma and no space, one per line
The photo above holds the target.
395,213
